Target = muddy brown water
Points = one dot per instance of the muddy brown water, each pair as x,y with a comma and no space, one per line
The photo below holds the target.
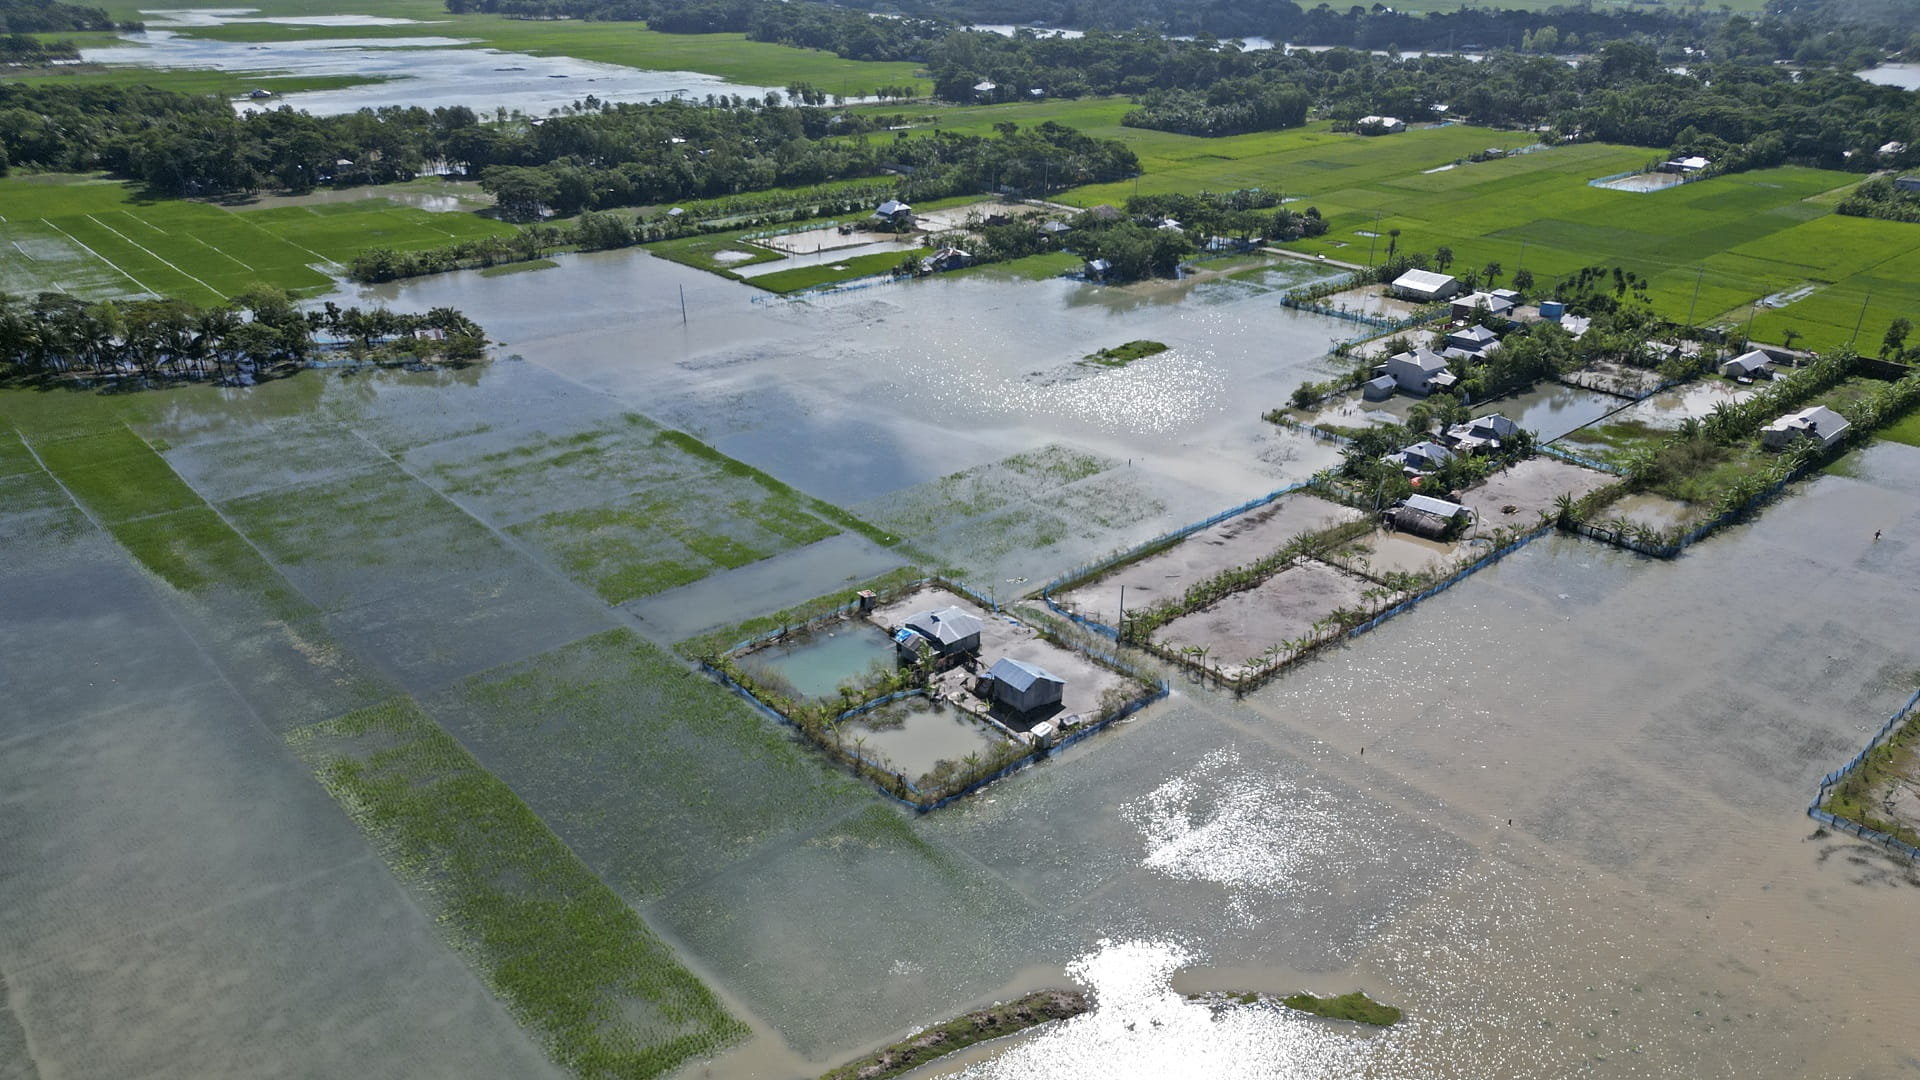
1659,905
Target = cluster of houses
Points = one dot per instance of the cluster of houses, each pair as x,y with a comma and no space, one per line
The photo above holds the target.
1485,433
950,637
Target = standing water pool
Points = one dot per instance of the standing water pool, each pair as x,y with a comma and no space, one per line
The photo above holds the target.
817,664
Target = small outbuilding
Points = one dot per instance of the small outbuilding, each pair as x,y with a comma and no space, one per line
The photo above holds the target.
1747,365
1819,423
948,632
1379,388
1424,515
1685,165
1419,371
1425,285
1023,687
1908,183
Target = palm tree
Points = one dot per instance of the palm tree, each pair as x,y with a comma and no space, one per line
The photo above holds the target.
1442,258
1492,273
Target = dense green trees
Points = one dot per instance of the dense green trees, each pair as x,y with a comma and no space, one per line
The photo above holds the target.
53,17
1880,198
54,333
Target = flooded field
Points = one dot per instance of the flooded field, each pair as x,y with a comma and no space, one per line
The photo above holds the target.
1574,843
406,70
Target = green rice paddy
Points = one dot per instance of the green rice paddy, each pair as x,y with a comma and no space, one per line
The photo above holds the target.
97,237
571,960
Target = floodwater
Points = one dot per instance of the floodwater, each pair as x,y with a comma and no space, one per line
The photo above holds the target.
1643,182
1696,400
818,665
1904,76
1555,813
1551,409
915,736
426,70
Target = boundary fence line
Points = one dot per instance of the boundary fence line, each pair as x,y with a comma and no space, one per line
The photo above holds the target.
1581,460
852,606
1091,570
1828,781
1456,578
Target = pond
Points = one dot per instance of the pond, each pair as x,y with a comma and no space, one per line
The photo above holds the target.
817,665
915,736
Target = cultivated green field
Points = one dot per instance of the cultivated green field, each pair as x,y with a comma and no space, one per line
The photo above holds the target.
227,84
97,238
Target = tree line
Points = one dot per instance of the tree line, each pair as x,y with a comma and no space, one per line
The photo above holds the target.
56,333
53,17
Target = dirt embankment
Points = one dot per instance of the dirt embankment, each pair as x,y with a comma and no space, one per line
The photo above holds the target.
978,1026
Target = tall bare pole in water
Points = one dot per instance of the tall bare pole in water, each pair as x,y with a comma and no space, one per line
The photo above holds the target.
683,305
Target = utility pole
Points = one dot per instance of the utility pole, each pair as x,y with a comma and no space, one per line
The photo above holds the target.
1861,319
1697,278
683,305
1374,240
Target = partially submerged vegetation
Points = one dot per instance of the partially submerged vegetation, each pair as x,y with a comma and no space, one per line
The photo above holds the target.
981,1025
1122,355
567,955
1357,1007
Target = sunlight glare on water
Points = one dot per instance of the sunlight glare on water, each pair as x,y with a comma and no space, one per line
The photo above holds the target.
1153,396
1251,834
1141,1027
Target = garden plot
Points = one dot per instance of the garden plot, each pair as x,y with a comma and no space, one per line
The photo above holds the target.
655,775
1645,509
1292,605
1383,554
1235,542
1516,496
1611,377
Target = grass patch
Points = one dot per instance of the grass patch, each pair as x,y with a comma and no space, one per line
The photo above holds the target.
197,81
1122,355
1042,267
1357,1007
195,550
519,268
572,962
1697,470
1866,795
975,1027
117,476
699,251
810,277
1904,430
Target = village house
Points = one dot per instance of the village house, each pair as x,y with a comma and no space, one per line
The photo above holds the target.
949,634
1685,165
1425,285
1419,371
1750,364
1472,340
1422,457
1379,125
1908,183
947,258
1499,302
894,212
1023,687
1482,433
1424,515
1819,423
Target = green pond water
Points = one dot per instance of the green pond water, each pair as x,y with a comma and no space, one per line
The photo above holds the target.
819,665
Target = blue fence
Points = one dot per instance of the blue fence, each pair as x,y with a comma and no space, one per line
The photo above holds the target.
1828,781
1581,460
1091,570
1459,576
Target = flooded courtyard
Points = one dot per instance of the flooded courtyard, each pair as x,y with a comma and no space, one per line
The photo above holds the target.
1574,844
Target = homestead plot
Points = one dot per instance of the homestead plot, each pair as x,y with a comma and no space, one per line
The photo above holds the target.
1296,605
1231,543
1516,496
